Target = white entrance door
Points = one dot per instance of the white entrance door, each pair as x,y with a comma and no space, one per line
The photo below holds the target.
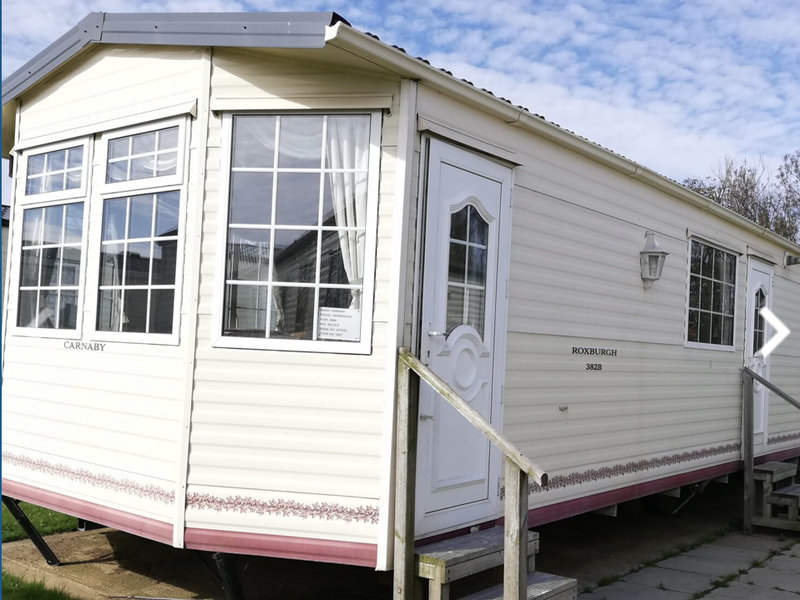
465,230
759,295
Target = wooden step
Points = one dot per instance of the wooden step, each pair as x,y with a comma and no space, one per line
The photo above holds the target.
774,471
455,558
541,586
789,492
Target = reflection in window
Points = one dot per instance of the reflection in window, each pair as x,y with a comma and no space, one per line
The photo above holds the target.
296,227
144,155
758,320
54,171
50,266
138,260
712,295
466,281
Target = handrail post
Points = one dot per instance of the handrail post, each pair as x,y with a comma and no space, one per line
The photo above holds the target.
515,555
407,401
747,451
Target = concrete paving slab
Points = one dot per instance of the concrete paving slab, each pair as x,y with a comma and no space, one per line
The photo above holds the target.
785,563
757,541
743,591
677,581
622,590
700,566
772,578
735,558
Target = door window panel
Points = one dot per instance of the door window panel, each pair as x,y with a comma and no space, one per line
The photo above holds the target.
466,290
758,320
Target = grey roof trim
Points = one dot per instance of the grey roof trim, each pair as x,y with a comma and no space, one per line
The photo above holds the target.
253,30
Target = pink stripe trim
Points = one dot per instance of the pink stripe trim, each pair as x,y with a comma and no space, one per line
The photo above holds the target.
278,546
117,519
779,455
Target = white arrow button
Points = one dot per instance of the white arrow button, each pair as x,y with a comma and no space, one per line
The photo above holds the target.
781,332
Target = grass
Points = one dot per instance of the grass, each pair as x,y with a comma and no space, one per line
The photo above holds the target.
46,522
16,589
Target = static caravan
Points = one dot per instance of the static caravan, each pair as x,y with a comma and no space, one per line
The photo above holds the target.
224,228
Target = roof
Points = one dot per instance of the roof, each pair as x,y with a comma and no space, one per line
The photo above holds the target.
259,30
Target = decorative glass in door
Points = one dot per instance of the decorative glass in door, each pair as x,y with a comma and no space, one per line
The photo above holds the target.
758,320
466,281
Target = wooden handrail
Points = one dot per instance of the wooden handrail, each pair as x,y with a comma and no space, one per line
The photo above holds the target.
748,377
518,468
473,416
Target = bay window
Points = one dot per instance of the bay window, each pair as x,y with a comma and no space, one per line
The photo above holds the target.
300,229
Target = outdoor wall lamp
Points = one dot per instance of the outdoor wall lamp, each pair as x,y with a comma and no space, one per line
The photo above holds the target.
652,259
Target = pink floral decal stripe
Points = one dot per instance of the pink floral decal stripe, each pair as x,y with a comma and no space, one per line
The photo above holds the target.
283,508
786,437
125,486
628,468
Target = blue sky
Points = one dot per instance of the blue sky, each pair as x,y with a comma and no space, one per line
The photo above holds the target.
675,86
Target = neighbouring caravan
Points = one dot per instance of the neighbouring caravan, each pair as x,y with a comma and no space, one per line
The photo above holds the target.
224,227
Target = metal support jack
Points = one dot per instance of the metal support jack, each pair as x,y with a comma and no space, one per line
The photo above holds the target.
13,507
228,576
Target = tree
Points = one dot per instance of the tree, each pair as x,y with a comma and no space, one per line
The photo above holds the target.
751,192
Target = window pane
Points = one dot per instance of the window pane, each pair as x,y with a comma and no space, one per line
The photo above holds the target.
29,269
254,141
68,310
114,212
75,157
137,269
705,328
144,142
109,306
117,171
167,164
111,262
162,304
73,180
707,261
48,305
53,219
54,183
140,222
32,225
300,142
716,329
297,199
73,225
168,138
332,269
693,329
134,311
143,167
28,308
458,225
731,268
457,263
248,255
455,306
165,257
716,298
694,292
727,331
478,228
295,255
296,310
56,160
36,164
167,209
246,311
251,198
476,309
476,274
70,265
336,298
50,267
118,148
705,294
34,186
349,134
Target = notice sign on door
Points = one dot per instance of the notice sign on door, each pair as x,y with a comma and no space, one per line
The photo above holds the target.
339,324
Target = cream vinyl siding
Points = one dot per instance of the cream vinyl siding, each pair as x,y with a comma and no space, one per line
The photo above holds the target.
574,281
273,426
112,86
100,426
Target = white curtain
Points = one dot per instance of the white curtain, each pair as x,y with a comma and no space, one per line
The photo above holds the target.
348,149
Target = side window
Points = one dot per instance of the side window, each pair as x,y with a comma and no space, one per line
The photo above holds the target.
50,267
297,233
712,295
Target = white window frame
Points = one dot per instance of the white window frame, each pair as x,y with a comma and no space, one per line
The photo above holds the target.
704,345
364,345
14,274
55,196
126,187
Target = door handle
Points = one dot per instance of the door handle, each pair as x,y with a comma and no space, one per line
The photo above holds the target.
426,417
437,333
